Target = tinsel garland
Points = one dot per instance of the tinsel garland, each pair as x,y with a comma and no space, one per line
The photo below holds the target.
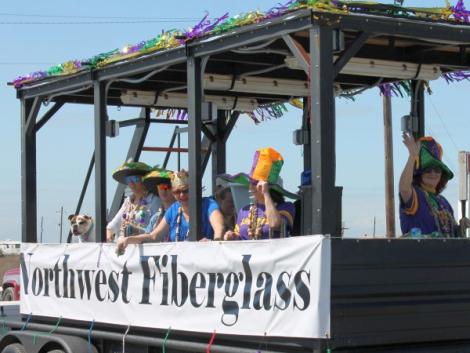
204,27
400,89
178,114
456,76
175,38
267,112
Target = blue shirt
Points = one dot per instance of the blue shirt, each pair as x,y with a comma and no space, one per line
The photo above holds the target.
171,216
155,220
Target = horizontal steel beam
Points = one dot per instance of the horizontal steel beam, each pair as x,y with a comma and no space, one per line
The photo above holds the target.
56,85
432,31
169,121
141,65
164,149
253,34
410,28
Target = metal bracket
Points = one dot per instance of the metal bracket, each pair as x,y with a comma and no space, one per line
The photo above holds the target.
31,119
48,115
350,52
295,50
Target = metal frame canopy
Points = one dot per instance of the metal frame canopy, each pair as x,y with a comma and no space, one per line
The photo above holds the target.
261,65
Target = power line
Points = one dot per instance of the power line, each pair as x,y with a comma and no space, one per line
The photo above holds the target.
446,156
443,124
24,63
91,22
103,17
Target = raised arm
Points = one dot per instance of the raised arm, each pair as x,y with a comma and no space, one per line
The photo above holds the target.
406,179
272,214
113,226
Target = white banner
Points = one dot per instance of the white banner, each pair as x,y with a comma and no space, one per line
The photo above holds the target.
275,287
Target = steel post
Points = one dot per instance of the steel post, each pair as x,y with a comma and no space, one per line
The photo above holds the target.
417,105
389,182
194,142
326,199
29,112
219,152
100,160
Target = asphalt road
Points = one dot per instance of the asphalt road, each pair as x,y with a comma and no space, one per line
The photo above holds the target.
10,313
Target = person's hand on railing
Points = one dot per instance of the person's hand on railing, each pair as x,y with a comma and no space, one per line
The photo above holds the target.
231,235
464,224
121,245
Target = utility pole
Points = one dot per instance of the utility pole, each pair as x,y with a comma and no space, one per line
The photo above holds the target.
464,169
389,183
61,222
42,229
373,230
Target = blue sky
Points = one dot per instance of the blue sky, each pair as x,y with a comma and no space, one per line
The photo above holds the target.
65,144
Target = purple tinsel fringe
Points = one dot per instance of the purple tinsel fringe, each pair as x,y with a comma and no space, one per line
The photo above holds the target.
459,12
204,26
387,90
278,10
456,76
182,115
135,48
77,64
18,82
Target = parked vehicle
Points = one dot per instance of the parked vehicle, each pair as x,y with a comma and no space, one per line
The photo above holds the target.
11,284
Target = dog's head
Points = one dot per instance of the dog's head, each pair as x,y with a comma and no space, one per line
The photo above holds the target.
80,224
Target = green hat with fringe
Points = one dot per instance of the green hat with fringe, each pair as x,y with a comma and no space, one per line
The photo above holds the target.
430,156
130,168
157,176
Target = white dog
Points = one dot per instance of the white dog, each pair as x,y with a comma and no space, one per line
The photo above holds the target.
82,228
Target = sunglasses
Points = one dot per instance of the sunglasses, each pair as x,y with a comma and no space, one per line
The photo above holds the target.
433,169
183,191
132,179
164,186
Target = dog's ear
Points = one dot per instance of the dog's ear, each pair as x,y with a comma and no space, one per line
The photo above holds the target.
71,216
87,217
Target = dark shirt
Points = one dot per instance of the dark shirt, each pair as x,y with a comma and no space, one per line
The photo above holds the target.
429,212
285,209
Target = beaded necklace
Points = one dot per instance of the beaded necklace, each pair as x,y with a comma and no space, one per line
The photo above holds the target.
443,219
135,216
178,226
255,224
